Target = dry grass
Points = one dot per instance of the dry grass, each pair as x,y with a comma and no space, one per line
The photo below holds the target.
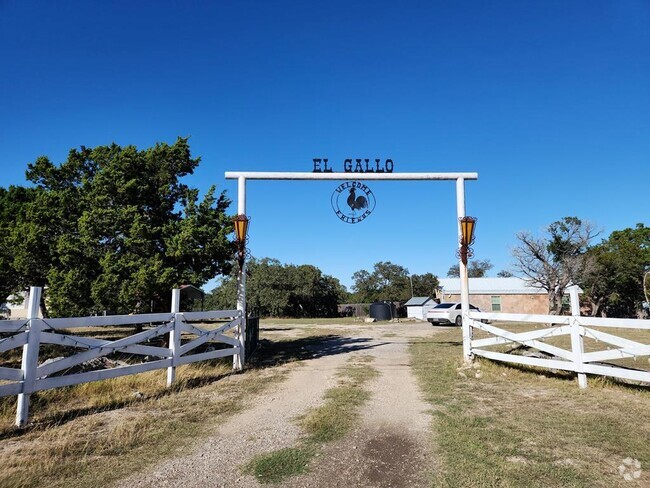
93,434
52,406
500,425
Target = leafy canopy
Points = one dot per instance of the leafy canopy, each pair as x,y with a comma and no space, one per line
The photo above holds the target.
113,228
613,283
281,290
476,268
391,282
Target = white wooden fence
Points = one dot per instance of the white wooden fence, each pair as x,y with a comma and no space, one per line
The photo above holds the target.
574,359
30,333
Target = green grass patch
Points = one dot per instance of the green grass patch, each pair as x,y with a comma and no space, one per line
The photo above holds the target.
506,426
340,412
281,464
326,423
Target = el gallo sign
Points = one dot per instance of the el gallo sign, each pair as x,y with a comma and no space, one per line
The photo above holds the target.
355,166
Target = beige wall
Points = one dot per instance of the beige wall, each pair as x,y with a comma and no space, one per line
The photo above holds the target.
509,303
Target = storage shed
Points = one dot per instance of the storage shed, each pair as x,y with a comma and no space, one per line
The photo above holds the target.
417,307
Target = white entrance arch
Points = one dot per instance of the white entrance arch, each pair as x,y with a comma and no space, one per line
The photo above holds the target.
242,176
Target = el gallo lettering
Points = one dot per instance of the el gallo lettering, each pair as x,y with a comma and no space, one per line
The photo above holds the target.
356,166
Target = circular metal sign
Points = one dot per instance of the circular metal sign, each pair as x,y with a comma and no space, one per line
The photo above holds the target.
353,201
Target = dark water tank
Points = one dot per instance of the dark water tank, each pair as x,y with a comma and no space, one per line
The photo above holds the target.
382,310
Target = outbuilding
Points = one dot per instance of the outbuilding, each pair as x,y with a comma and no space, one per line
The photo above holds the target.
417,307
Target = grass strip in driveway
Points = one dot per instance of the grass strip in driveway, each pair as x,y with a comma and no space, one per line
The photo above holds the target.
508,426
329,422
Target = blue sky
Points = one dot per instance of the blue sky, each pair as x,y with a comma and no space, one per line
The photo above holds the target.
548,101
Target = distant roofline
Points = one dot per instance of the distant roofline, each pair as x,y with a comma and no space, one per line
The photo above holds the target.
512,285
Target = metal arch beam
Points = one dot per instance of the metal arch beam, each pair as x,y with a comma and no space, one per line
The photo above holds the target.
271,175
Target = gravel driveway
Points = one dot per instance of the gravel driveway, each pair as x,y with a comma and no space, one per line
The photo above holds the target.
390,448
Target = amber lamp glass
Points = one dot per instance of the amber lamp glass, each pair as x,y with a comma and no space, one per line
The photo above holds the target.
467,225
241,227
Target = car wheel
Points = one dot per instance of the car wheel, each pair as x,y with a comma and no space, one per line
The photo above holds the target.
459,321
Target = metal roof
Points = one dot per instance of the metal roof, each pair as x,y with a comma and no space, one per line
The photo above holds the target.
192,292
417,301
501,286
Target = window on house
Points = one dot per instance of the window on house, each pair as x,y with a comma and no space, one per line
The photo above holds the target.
496,304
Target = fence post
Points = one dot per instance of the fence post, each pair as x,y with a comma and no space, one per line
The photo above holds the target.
174,335
30,355
240,335
238,360
577,345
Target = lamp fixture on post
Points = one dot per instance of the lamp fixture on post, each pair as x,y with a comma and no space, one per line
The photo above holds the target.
241,237
467,225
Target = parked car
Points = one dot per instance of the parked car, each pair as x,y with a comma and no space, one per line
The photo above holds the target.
448,313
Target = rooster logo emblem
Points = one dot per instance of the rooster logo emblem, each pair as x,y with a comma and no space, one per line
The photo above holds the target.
356,203
360,202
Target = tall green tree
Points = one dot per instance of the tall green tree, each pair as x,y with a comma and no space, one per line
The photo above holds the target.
115,228
387,281
281,290
613,283
425,285
13,207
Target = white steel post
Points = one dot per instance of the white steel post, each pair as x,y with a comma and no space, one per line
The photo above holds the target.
462,268
577,344
174,336
30,355
238,359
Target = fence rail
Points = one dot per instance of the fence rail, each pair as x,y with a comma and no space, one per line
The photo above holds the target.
31,333
554,356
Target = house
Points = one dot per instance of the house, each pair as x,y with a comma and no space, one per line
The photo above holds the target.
417,307
16,306
508,295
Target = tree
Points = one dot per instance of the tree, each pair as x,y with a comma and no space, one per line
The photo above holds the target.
613,282
387,281
424,285
504,273
475,269
114,228
13,206
555,259
282,290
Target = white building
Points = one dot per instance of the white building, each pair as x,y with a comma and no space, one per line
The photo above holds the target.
417,307
17,306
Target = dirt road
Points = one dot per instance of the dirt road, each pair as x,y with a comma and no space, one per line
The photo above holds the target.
390,447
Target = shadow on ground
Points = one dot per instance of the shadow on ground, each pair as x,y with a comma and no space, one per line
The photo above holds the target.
270,353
